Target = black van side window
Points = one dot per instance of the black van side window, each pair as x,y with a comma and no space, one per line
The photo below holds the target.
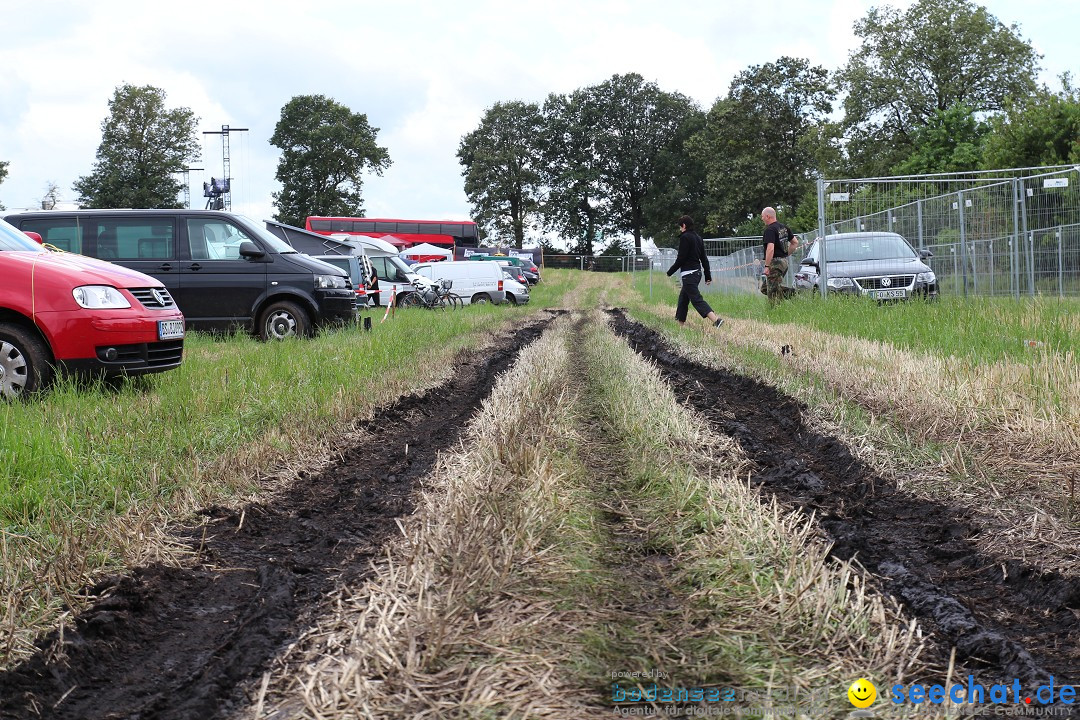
210,239
134,238
64,233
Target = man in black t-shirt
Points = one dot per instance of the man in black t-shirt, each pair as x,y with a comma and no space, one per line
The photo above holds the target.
778,243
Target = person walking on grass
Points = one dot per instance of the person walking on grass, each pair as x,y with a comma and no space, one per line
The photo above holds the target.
689,263
778,243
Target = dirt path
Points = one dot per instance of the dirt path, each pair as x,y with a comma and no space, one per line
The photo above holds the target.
1006,619
177,643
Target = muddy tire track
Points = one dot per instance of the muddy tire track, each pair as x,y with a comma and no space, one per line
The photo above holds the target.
167,642
1006,619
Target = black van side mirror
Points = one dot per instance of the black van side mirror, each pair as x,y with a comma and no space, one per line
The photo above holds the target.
249,249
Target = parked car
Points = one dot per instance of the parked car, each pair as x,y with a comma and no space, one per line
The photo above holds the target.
525,265
73,314
353,265
515,272
879,265
517,293
224,270
475,282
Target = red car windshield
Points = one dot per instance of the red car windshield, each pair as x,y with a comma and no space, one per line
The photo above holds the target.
12,239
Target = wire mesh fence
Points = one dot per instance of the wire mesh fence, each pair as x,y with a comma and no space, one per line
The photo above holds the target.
1000,233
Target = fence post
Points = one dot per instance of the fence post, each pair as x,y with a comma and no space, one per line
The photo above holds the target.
918,210
823,274
1026,237
1061,266
1014,243
963,238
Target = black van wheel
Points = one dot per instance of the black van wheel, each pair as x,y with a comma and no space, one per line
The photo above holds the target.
24,362
281,320
480,299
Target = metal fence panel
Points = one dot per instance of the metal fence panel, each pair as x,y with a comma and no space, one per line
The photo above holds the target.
997,233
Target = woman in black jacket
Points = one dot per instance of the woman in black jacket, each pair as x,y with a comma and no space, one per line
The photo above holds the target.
689,262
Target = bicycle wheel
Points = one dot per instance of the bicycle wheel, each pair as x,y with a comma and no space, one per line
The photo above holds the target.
412,300
456,301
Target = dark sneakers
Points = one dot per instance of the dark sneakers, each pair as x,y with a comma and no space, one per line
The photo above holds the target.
719,322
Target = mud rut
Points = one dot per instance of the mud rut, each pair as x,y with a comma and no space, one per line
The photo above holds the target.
179,642
1006,619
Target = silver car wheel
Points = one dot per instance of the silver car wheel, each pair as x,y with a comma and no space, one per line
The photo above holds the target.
280,324
13,371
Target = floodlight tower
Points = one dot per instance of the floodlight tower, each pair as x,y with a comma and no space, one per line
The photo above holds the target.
224,133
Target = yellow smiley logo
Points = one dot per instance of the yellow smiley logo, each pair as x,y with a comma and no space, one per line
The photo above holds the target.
862,693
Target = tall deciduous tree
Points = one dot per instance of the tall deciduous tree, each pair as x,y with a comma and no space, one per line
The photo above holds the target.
326,148
144,146
1043,129
640,123
763,142
914,64
575,206
503,168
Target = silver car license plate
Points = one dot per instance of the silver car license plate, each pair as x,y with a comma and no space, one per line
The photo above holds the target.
170,329
889,294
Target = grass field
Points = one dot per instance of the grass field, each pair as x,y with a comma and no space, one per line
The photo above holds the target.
982,329
567,470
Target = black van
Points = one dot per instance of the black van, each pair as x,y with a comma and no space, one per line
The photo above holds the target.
224,270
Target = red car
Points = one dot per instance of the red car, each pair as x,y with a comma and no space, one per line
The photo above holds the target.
69,313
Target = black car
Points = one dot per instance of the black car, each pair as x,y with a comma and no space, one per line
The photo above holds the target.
879,265
224,270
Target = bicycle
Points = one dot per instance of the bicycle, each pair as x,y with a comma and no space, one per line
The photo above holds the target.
436,297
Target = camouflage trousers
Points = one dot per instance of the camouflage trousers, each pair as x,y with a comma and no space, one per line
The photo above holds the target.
774,278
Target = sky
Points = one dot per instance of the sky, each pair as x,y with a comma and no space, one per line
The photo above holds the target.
422,72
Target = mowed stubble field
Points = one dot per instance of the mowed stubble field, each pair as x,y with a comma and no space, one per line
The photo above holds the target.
630,497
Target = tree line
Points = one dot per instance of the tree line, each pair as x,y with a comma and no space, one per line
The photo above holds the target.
942,87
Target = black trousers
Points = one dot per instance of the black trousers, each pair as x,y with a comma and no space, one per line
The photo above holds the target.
690,295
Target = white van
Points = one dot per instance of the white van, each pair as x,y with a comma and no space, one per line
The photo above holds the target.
475,282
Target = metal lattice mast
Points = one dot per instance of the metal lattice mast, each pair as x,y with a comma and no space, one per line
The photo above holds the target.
224,133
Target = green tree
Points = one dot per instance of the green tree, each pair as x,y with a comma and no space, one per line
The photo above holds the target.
144,146
326,148
503,168
764,142
639,124
911,65
952,141
1043,129
575,205
679,187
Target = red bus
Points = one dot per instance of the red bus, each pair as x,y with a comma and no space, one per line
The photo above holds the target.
413,232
